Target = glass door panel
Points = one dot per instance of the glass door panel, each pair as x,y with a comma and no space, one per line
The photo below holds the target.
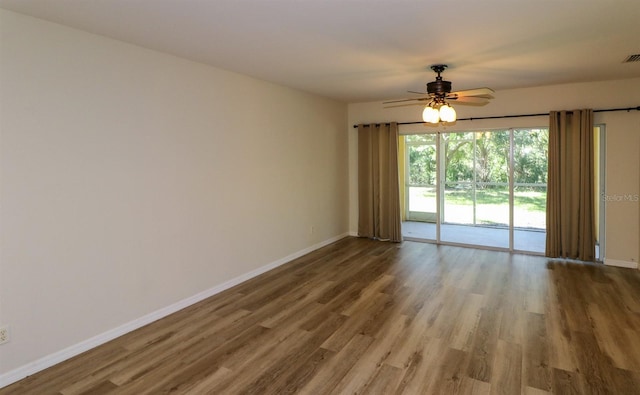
458,195
492,179
476,195
457,170
530,189
492,187
421,186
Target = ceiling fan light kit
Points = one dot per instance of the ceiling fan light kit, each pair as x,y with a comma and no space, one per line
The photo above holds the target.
430,115
447,113
438,92
438,112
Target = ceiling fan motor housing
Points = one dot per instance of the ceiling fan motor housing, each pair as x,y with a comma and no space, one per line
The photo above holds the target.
439,87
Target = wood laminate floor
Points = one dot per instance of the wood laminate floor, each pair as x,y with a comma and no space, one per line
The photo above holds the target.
361,316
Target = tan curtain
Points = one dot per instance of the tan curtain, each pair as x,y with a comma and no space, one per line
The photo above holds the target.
378,189
402,177
570,195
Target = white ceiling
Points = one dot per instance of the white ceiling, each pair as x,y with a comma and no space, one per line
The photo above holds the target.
370,50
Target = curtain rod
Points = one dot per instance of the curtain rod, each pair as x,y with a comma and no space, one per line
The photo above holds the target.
628,109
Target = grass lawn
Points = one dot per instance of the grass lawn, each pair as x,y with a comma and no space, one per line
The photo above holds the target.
492,206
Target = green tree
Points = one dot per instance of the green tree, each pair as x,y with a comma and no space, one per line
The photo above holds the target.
458,161
492,156
530,157
422,164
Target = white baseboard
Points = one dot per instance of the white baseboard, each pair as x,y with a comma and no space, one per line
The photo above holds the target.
619,263
69,352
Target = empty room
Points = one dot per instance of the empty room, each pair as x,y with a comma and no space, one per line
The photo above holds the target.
319,197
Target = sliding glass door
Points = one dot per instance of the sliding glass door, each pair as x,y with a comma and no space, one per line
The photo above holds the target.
492,189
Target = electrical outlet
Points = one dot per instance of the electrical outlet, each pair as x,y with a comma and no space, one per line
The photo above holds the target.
4,335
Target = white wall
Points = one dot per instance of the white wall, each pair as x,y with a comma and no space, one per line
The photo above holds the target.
622,143
132,180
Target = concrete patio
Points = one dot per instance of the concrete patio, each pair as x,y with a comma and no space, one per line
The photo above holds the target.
525,240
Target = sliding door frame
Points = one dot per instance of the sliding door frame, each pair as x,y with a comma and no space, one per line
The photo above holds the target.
441,184
602,192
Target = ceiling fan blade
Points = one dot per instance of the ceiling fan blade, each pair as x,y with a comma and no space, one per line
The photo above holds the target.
404,100
418,93
470,100
405,105
473,92
458,97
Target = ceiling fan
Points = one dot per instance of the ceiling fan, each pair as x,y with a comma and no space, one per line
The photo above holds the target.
438,94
